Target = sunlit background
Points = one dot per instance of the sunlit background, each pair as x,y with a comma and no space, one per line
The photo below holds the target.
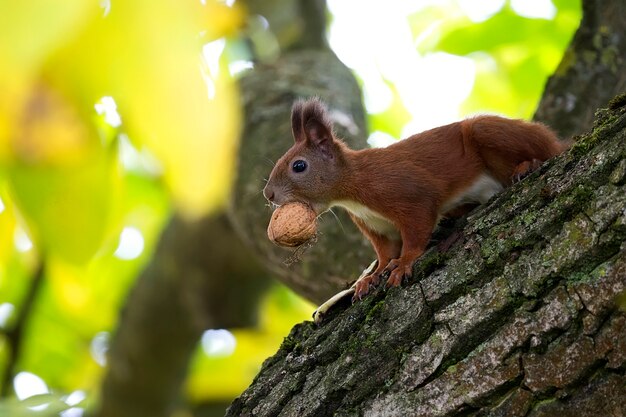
96,150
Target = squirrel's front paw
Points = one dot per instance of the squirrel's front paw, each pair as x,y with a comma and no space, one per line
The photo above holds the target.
399,270
363,285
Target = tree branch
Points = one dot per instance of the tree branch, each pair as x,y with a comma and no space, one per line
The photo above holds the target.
15,335
520,312
268,93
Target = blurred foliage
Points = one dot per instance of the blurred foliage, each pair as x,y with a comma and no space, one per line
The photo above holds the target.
512,56
37,405
111,117
229,375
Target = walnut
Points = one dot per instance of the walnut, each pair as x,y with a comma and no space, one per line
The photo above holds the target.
292,225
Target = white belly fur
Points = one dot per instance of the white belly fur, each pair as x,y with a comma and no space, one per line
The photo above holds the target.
374,220
480,191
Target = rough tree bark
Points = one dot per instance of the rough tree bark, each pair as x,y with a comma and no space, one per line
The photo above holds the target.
517,319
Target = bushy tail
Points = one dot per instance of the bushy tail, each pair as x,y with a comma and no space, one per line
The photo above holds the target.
506,144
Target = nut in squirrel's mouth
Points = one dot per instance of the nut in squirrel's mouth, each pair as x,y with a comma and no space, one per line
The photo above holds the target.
292,224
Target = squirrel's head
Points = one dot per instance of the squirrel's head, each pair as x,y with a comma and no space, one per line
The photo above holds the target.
311,170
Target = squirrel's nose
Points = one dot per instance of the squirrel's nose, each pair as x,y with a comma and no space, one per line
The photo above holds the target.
269,194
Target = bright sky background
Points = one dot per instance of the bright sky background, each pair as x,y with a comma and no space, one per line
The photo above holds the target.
379,45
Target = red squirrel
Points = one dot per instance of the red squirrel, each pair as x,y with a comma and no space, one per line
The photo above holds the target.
396,195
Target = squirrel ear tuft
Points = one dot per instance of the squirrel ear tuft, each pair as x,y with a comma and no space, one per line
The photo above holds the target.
318,128
297,128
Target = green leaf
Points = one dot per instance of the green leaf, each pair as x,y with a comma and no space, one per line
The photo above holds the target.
67,208
44,405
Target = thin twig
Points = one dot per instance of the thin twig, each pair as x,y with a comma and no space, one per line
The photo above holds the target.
15,336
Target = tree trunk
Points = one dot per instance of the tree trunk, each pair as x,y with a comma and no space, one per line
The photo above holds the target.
268,94
591,72
517,319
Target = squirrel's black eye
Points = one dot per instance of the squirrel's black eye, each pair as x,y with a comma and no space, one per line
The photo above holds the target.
299,165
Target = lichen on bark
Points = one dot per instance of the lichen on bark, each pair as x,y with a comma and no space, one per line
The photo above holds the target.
518,318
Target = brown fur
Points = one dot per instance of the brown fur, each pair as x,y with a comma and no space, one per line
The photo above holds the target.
407,183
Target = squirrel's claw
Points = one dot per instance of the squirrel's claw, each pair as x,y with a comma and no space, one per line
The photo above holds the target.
363,285
401,269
